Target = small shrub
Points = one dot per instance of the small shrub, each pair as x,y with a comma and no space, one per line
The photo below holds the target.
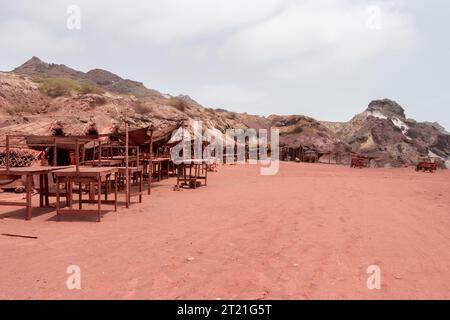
179,104
141,108
297,129
221,110
87,88
20,109
58,87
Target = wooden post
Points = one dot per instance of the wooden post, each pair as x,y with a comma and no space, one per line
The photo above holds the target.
150,168
93,152
137,156
46,198
80,198
57,197
41,190
99,200
116,177
83,155
29,189
127,177
235,155
141,178
77,153
77,166
7,154
99,153
55,162
329,156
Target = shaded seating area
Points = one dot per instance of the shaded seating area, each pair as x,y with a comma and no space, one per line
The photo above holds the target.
65,153
87,174
299,153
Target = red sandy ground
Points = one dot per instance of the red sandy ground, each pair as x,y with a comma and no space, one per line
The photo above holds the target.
309,232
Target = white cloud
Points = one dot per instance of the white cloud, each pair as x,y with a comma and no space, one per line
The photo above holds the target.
163,22
310,36
285,56
26,38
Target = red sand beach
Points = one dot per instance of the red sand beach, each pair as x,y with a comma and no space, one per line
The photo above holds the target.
309,232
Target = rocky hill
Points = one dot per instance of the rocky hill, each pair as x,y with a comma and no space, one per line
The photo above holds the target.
37,93
384,131
38,70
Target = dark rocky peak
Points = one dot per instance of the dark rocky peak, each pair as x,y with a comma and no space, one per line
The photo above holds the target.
33,65
386,107
114,83
188,100
39,68
103,77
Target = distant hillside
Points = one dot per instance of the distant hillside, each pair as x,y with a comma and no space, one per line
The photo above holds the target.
36,68
384,131
37,93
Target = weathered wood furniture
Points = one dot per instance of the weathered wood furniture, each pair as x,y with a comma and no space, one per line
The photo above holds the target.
191,173
126,173
94,177
161,168
358,161
29,172
134,173
426,164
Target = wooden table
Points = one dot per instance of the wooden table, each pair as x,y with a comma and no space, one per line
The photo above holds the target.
89,175
119,163
29,172
160,167
191,173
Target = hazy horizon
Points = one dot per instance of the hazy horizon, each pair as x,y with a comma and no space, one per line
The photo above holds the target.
325,59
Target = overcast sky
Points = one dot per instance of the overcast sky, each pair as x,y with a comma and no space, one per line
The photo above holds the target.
323,58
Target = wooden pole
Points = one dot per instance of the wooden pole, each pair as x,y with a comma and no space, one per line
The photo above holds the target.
137,156
7,154
329,156
55,162
150,169
93,152
99,153
127,187
83,154
77,153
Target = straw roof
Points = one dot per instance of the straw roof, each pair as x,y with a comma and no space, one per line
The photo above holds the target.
140,136
43,129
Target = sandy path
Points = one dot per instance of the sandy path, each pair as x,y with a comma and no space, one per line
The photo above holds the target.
309,232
